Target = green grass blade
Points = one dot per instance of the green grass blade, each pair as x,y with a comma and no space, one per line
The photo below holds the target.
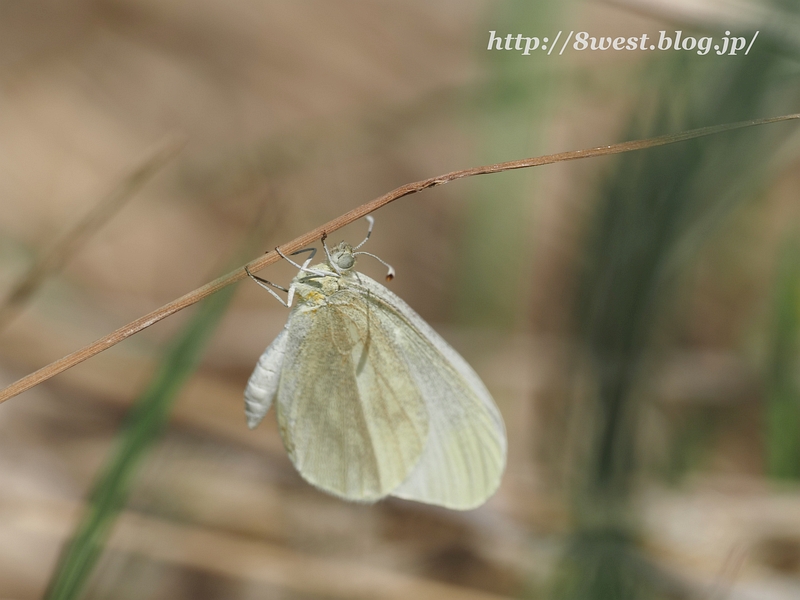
782,436
654,212
146,421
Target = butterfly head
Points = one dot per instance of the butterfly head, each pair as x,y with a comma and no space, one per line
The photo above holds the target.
343,257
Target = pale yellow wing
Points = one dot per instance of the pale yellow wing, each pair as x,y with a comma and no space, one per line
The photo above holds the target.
351,416
465,453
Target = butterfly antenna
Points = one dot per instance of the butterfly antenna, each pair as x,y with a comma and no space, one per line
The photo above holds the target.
390,273
371,220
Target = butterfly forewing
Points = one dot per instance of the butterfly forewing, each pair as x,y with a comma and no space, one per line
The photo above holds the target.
354,423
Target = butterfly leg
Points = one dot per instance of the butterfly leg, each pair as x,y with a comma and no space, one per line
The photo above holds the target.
264,284
304,266
328,254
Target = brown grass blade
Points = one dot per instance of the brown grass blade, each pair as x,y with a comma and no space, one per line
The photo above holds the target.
304,240
71,241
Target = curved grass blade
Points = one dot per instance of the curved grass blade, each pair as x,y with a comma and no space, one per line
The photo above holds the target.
782,418
115,337
146,421
53,259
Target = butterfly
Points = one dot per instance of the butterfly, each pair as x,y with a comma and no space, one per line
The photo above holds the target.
371,402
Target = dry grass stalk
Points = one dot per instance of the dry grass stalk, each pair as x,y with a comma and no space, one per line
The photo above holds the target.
304,240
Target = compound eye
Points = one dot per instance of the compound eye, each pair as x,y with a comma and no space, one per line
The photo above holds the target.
346,261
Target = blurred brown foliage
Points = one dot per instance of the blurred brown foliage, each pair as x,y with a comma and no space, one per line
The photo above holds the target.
314,107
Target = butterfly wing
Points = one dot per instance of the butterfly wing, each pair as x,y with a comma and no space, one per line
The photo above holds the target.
465,453
352,417
263,383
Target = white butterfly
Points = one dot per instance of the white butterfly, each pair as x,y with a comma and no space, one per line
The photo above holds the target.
371,401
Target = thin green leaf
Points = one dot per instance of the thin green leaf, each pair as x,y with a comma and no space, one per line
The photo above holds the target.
782,436
146,421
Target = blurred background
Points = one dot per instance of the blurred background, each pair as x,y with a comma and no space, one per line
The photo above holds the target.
637,318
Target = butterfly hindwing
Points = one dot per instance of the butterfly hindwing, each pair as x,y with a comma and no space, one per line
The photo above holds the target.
465,453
